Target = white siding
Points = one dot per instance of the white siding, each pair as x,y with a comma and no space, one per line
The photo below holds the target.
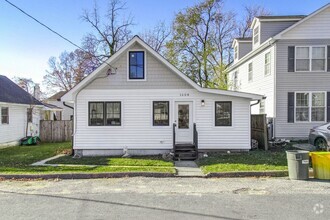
17,122
158,76
260,83
292,82
16,128
137,131
316,27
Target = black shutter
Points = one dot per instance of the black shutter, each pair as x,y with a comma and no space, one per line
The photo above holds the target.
328,105
328,59
291,59
290,107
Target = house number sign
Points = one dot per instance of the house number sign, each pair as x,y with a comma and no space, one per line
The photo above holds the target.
184,94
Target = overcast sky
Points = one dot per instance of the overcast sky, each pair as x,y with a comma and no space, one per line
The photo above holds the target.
26,46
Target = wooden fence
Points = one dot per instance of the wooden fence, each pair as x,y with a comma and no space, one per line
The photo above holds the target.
56,131
259,130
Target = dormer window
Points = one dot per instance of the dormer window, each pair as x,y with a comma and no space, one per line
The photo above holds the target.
236,52
256,35
136,66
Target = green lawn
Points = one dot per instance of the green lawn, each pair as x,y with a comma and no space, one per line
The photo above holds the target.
18,160
114,161
252,161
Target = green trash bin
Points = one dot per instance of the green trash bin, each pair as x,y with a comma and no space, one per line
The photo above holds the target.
298,164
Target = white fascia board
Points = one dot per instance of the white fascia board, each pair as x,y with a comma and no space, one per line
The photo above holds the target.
69,96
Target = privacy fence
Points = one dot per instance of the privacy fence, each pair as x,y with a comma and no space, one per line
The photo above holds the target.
56,131
259,130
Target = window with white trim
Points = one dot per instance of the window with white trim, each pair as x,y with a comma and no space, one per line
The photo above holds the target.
310,58
310,106
267,64
4,115
256,35
235,84
250,71
262,107
136,65
236,52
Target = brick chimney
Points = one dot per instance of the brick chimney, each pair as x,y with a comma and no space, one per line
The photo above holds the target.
36,91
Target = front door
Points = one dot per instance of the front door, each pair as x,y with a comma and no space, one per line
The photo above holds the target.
184,122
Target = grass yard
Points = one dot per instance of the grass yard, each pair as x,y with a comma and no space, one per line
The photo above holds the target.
252,161
18,160
114,161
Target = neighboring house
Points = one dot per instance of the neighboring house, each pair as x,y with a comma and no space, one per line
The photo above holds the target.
288,61
19,113
51,112
133,100
56,108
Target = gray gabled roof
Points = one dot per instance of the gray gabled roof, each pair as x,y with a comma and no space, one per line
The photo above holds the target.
10,92
57,96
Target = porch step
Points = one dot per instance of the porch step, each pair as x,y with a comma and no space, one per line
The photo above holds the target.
185,152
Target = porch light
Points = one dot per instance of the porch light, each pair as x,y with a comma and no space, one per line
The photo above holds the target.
203,102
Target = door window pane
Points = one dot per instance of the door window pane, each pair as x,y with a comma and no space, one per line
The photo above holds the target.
183,116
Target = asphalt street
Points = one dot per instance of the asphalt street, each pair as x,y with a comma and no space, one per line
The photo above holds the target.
165,198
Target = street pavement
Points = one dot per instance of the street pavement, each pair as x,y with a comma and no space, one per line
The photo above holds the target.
165,198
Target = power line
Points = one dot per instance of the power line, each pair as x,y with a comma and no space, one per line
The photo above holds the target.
55,32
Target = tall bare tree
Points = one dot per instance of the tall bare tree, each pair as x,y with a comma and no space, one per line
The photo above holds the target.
25,83
68,69
109,32
200,45
157,37
250,12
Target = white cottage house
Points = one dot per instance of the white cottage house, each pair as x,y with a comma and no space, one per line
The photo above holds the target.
144,104
19,113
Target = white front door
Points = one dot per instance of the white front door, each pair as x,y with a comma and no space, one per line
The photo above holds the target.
184,122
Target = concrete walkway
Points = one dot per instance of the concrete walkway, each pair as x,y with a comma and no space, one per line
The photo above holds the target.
187,169
305,146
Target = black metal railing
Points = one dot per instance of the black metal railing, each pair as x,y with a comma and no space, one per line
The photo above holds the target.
174,125
195,137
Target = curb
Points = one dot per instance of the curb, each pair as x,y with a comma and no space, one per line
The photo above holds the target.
249,174
85,175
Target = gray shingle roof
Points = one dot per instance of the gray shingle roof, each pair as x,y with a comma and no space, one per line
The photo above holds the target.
12,93
282,17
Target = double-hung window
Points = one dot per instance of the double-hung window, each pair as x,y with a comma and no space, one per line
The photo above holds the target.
104,113
113,113
256,35
96,113
310,106
161,113
223,114
267,64
250,72
311,58
136,67
4,115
